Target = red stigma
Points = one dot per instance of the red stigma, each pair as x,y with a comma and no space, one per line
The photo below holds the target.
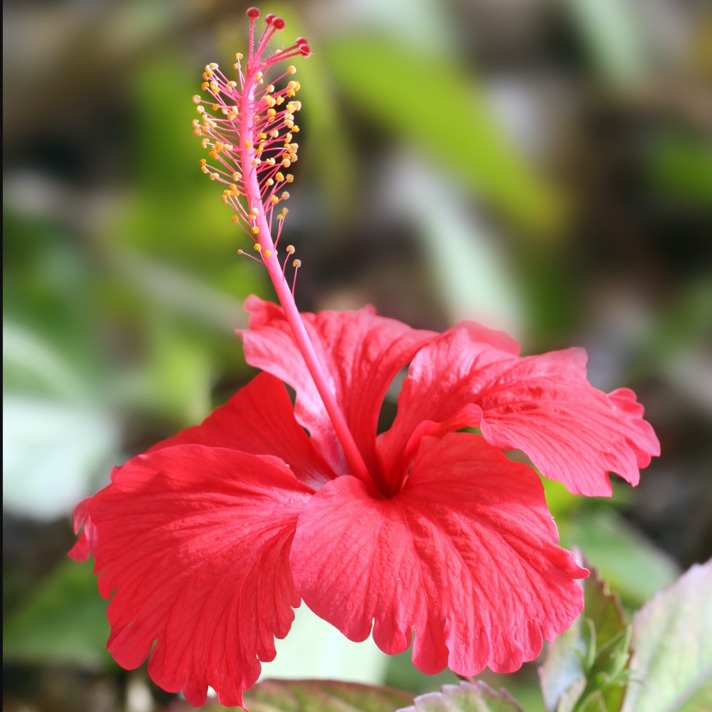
278,23
300,41
269,17
253,13
305,49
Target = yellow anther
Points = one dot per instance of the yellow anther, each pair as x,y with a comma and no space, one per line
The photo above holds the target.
279,175
236,176
294,129
271,113
274,133
255,230
269,182
262,136
205,142
258,247
256,161
279,100
270,88
286,162
235,219
204,86
270,161
238,56
214,87
290,249
291,69
213,65
214,176
270,101
297,264
215,107
284,196
290,178
202,161
213,154
232,83
287,138
200,109
205,169
274,200
196,99
268,253
258,76
224,198
248,144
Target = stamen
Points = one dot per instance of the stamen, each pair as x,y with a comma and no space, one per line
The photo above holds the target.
247,127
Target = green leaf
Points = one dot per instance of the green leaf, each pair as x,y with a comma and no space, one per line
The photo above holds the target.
322,696
671,667
584,667
628,561
422,98
615,38
63,623
465,697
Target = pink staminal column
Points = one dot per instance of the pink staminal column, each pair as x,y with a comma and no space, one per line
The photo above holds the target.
248,127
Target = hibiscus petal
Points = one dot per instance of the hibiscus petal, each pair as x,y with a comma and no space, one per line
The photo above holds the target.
194,543
361,353
259,419
464,557
542,405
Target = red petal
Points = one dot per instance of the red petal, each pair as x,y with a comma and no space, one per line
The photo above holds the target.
542,405
259,419
194,543
464,556
361,353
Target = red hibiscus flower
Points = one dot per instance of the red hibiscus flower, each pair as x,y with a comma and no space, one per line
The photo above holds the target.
421,534
209,539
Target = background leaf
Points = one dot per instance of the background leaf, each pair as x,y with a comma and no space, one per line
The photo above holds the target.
63,623
420,98
321,696
465,697
671,667
584,664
